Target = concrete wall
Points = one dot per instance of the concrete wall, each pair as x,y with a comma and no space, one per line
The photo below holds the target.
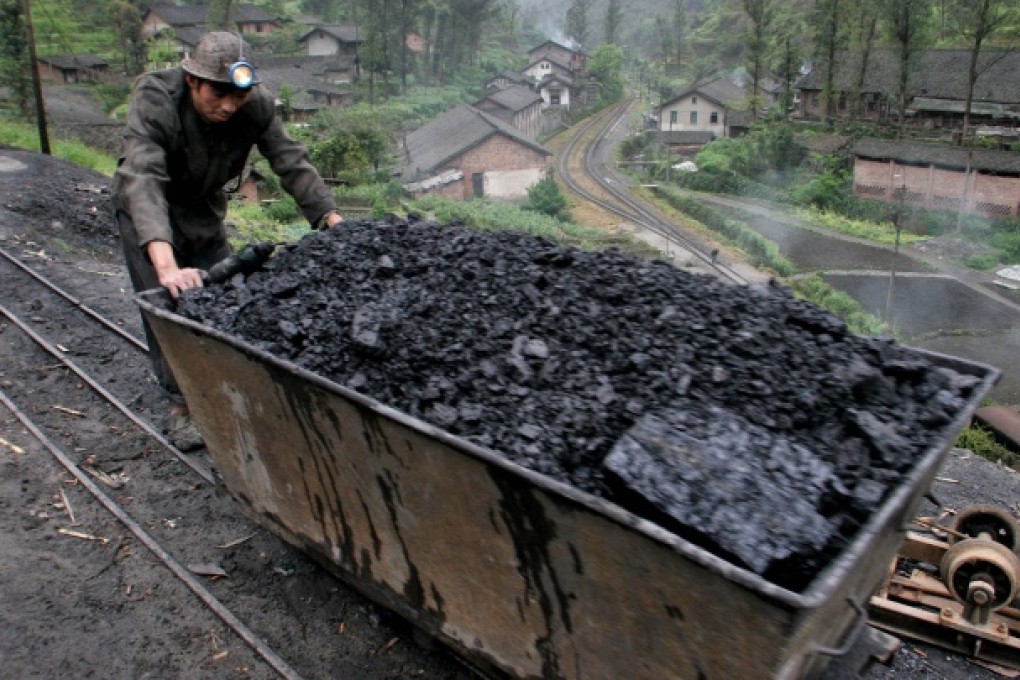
321,45
693,103
935,188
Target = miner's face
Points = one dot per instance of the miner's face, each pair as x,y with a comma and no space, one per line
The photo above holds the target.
215,102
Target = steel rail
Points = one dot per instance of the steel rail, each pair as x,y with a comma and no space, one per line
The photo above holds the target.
207,598
202,471
634,210
75,301
652,220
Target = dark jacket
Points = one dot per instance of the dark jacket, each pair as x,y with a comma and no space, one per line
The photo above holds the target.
171,177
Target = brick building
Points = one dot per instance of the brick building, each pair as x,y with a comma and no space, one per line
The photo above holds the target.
467,152
979,181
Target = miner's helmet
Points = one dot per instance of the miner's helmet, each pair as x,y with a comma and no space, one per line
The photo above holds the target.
219,58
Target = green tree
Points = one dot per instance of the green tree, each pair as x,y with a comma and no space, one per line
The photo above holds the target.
219,15
577,20
127,23
14,60
606,64
761,15
864,40
613,18
907,23
978,22
828,18
545,197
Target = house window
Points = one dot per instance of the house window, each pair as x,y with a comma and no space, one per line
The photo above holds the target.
673,117
694,117
554,99
694,100
713,118
814,102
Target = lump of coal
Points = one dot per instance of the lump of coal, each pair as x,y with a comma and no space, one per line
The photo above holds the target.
551,354
713,477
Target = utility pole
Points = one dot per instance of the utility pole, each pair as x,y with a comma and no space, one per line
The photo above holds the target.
898,224
40,111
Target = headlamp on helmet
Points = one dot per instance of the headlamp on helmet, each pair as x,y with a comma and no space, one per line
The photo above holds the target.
241,75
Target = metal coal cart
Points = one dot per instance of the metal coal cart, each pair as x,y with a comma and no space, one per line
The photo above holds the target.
517,573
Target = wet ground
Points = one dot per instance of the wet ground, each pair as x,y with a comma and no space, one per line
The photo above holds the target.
936,303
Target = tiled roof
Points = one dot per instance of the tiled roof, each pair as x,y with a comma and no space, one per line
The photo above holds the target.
939,74
953,157
509,75
552,59
556,77
73,61
452,134
722,91
342,32
515,98
574,47
302,73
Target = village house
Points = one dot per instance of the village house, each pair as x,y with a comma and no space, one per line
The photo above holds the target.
703,112
303,85
977,181
467,152
73,68
518,105
556,91
575,60
936,88
332,39
546,67
248,18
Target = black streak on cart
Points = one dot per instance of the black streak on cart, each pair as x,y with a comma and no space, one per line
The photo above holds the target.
516,572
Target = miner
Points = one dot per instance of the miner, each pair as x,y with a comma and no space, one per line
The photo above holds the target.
189,133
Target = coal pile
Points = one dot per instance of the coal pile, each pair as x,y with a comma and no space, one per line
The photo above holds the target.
743,419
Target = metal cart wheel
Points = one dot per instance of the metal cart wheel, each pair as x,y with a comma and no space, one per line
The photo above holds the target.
981,572
987,521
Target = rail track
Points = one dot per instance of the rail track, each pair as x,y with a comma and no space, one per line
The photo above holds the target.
107,407
592,140
48,367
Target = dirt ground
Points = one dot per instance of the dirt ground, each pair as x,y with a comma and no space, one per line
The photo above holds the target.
83,597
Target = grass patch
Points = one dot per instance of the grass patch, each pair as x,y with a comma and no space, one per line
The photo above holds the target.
814,289
983,443
880,232
24,136
761,251
982,262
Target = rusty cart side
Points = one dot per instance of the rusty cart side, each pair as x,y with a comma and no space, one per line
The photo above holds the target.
519,574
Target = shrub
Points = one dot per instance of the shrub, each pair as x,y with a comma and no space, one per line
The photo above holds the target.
283,210
982,262
545,197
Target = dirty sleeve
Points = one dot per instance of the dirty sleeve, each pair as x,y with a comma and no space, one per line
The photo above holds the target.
142,179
